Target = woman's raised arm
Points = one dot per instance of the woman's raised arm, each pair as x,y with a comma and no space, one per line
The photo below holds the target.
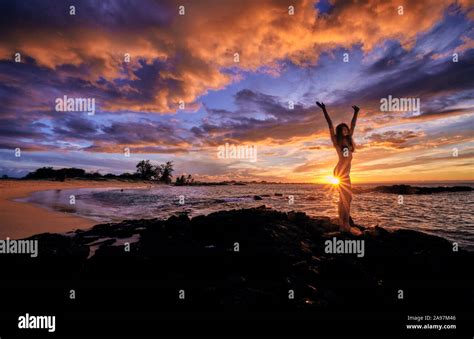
328,119
354,118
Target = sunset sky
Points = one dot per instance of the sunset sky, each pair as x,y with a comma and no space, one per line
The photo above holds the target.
282,58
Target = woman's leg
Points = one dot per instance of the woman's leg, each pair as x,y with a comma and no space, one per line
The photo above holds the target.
344,206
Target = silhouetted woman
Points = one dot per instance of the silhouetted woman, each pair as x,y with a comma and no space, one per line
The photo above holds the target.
342,141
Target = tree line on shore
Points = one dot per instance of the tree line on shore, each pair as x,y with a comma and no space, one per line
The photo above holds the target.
145,170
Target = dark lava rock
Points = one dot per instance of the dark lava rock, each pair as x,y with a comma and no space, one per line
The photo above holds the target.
250,258
257,197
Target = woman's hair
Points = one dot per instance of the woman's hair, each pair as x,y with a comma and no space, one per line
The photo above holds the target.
340,136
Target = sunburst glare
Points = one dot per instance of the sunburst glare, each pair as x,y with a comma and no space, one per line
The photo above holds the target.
333,180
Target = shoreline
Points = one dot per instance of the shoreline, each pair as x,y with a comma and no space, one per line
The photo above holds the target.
22,219
261,255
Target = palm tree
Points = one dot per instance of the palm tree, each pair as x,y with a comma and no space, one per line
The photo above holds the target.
167,172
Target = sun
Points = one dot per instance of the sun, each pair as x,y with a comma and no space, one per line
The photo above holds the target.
333,180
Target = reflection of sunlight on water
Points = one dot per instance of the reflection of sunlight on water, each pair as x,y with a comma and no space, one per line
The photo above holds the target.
443,214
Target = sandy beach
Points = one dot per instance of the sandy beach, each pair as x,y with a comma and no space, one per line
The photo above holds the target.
20,219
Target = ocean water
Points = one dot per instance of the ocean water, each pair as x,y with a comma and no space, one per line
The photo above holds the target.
445,214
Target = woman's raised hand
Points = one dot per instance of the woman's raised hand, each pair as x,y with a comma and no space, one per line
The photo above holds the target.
356,109
320,104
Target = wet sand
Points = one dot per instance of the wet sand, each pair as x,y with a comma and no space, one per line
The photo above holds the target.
20,219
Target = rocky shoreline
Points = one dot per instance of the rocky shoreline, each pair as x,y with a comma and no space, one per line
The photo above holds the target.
256,257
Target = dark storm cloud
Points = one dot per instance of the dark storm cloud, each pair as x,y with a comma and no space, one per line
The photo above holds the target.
75,127
256,102
145,131
19,128
259,116
394,57
110,13
422,77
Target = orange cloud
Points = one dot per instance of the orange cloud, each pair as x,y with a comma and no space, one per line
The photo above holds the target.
201,44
